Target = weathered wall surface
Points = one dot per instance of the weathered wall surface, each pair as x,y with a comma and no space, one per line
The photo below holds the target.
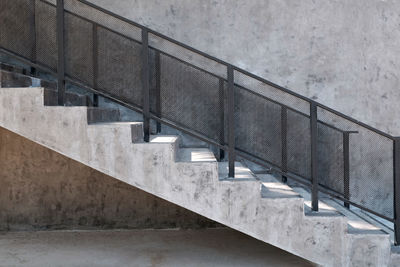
41,189
345,54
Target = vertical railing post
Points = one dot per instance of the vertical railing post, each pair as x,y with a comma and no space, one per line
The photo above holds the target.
221,152
346,168
284,142
60,53
34,41
95,65
146,84
158,90
396,189
314,156
231,121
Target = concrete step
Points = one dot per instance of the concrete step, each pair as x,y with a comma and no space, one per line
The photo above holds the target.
71,99
272,188
324,209
242,173
12,79
96,115
135,127
12,68
195,155
356,224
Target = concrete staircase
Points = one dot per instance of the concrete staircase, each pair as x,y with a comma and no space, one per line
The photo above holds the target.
261,207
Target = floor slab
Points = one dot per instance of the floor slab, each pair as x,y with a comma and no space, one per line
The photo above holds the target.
209,247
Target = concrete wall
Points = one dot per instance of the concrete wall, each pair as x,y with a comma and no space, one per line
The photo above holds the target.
345,54
41,189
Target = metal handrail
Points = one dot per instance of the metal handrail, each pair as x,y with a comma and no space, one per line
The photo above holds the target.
263,80
230,146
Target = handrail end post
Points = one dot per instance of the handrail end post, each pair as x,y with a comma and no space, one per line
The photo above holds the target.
146,85
396,189
314,156
231,121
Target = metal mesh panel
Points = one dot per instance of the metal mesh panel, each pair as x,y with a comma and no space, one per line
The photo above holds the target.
79,48
186,55
263,134
17,27
330,158
46,34
190,97
271,92
371,165
298,144
258,126
119,67
100,18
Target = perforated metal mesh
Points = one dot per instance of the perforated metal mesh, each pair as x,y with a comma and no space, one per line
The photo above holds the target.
258,126
190,97
46,34
330,158
269,120
371,164
299,144
17,27
78,48
119,66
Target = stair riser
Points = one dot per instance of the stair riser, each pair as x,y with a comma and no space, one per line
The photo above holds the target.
13,80
51,99
96,115
368,250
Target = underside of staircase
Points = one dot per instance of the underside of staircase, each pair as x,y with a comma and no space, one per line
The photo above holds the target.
257,205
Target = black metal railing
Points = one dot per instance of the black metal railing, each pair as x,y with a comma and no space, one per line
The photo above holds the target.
232,109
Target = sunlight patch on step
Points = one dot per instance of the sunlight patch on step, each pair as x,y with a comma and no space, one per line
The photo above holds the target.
200,156
361,225
241,172
278,188
322,206
163,139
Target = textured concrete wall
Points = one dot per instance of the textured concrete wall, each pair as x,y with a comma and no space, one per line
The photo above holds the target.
41,189
345,54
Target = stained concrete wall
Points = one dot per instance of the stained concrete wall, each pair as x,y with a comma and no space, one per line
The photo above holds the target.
343,53
41,189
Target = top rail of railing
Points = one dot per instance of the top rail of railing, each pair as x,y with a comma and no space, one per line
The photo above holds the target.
251,75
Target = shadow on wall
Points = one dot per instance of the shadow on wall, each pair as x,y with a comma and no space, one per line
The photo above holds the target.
41,189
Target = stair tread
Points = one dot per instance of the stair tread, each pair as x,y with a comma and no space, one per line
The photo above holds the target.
113,123
272,188
324,210
195,155
241,172
159,139
356,225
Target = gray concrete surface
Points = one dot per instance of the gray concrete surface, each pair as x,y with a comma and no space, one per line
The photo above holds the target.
41,189
217,247
194,185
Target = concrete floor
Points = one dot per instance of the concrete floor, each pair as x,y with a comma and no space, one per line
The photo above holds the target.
211,247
